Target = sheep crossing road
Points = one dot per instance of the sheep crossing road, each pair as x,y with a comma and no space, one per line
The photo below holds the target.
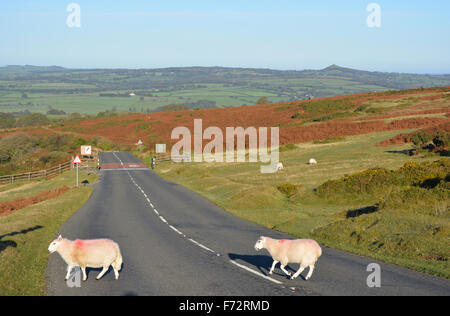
174,242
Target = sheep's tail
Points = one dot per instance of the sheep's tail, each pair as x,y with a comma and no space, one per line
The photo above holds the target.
319,252
118,262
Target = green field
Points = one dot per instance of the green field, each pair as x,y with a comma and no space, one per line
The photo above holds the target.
242,190
92,103
36,89
26,234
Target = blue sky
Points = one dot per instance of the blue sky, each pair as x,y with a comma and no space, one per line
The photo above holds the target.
282,34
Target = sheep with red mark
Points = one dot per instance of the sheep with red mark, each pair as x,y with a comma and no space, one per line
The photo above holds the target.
306,252
95,253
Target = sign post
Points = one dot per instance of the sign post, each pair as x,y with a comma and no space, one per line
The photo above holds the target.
77,161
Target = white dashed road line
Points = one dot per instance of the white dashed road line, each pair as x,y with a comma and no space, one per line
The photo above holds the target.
201,246
190,239
255,272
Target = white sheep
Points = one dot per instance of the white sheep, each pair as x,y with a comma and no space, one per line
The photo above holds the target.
306,252
279,166
96,253
312,161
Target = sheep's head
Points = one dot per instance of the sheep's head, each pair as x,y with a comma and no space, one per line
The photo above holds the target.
55,243
260,243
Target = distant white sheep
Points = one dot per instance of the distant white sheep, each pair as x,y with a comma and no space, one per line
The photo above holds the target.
306,252
96,253
312,161
279,166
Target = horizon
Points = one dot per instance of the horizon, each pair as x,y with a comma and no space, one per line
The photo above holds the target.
287,35
225,67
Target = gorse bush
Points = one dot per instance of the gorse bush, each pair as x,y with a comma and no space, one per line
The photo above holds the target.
366,182
417,199
378,180
421,139
441,139
436,142
288,189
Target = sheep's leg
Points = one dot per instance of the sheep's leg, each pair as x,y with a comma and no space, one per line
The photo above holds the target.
69,269
311,269
83,269
285,271
116,273
102,273
300,270
273,266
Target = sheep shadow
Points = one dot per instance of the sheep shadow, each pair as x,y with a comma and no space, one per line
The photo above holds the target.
261,262
362,211
408,152
10,243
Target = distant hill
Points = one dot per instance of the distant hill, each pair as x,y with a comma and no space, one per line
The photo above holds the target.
68,89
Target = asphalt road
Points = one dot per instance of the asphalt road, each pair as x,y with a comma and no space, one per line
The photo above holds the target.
175,242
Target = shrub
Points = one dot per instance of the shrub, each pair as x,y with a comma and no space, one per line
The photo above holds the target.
106,145
441,139
288,189
54,158
420,139
262,100
374,182
365,182
15,147
78,142
7,120
57,142
33,119
52,111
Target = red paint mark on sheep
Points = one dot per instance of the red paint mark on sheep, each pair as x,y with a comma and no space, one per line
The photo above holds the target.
79,243
282,241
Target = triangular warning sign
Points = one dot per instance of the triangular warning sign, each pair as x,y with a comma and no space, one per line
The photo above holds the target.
77,159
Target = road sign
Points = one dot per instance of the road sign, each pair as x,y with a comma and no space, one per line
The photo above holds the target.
86,150
77,161
160,148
